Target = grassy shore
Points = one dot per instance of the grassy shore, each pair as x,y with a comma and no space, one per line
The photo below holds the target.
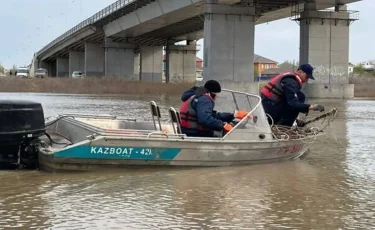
88,86
364,86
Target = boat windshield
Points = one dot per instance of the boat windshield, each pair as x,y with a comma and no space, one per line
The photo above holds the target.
229,101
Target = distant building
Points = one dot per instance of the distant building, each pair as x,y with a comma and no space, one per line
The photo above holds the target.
350,68
272,72
368,66
199,63
261,64
6,71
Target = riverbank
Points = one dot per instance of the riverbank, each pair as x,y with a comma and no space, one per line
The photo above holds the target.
363,86
89,86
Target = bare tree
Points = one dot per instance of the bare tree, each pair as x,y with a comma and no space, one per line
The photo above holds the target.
288,65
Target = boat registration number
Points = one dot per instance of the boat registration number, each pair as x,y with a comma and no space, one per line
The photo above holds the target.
121,151
291,149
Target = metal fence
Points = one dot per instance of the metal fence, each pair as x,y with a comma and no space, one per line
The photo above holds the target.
352,15
90,21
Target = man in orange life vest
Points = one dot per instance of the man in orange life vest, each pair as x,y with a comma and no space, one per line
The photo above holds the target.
198,117
283,100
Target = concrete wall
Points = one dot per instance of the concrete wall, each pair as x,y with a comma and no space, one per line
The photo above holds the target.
318,90
94,60
182,65
76,62
119,59
62,67
229,42
324,43
151,63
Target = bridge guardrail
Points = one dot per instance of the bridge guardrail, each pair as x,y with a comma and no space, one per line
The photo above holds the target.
96,17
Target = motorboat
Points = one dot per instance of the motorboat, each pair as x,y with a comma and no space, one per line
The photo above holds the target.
92,142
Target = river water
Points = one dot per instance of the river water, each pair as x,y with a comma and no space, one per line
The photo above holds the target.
333,188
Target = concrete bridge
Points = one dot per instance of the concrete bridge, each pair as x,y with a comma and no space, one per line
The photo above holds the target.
127,38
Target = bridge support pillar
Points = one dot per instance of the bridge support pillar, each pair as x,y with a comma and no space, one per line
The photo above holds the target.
62,67
324,43
151,61
182,67
48,66
119,59
229,42
76,61
137,66
94,60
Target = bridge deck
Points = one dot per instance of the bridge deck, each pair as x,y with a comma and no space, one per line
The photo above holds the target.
189,28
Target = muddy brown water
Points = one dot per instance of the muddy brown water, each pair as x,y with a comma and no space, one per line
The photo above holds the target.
333,188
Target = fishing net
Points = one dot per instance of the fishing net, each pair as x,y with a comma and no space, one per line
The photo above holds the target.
309,132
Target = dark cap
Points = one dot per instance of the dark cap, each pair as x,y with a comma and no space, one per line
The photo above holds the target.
308,69
213,86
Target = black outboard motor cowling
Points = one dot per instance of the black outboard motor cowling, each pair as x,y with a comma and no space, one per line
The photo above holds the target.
21,125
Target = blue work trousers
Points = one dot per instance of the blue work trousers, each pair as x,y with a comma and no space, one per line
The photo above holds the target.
281,112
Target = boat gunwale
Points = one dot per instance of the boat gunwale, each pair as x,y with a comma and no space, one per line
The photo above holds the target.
206,140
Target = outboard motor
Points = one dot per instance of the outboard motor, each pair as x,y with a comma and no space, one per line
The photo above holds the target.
21,125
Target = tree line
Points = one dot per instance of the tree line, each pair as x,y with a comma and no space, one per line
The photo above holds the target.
13,69
359,70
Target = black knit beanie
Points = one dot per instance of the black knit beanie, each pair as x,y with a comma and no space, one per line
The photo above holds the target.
213,86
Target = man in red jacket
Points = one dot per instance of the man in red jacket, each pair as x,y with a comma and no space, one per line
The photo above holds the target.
198,117
283,100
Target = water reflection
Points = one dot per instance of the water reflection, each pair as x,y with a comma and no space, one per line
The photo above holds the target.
359,164
332,189
21,205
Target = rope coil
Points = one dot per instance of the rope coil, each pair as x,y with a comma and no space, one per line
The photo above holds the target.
305,133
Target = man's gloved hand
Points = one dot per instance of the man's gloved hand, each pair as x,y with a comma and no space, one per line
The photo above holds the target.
300,123
227,127
240,114
317,107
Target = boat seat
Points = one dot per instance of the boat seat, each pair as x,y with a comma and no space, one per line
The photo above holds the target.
155,112
175,120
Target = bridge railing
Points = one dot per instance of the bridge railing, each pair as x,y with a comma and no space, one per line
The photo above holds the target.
96,17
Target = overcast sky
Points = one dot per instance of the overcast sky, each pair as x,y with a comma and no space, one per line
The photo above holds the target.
28,25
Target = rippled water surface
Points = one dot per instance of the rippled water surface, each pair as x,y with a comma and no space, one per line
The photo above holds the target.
333,188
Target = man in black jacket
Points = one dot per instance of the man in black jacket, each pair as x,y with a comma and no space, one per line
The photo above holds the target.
198,117
283,100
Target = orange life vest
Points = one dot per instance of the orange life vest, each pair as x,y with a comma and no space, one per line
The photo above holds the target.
274,90
188,115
